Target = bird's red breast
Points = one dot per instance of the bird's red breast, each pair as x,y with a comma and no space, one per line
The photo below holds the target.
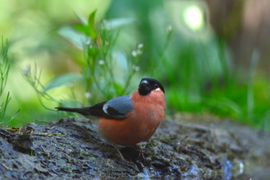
140,124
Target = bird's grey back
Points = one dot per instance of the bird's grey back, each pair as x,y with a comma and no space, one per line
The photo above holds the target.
118,107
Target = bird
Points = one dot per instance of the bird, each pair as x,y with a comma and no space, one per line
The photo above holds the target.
129,120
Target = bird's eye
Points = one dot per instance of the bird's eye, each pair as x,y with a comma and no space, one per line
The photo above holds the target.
156,86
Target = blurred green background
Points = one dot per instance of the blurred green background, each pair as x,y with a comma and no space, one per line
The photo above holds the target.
211,56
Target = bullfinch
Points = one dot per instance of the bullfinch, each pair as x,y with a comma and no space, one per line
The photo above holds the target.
128,120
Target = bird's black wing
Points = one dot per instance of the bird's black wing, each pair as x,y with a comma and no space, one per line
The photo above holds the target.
117,108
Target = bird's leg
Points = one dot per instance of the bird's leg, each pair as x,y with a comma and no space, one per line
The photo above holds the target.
141,149
119,152
134,153
129,153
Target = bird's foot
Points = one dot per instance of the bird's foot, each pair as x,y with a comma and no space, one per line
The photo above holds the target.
119,152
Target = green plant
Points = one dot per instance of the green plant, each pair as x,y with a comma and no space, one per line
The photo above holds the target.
100,65
102,75
4,71
32,76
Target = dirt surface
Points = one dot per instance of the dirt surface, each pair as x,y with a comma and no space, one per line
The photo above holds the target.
184,149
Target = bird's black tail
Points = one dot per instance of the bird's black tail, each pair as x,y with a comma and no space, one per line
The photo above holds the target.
82,111
95,110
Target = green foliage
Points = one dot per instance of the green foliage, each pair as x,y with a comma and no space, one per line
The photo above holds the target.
226,94
64,80
32,76
98,67
4,71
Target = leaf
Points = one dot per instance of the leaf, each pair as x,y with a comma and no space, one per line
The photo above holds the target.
65,80
82,19
92,25
116,23
76,38
118,88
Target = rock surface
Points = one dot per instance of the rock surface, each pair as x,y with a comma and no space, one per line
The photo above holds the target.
184,149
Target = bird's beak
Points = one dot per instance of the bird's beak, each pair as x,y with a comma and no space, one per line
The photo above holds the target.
158,89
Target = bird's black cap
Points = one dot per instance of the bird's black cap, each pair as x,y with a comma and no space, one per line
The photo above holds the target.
147,85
